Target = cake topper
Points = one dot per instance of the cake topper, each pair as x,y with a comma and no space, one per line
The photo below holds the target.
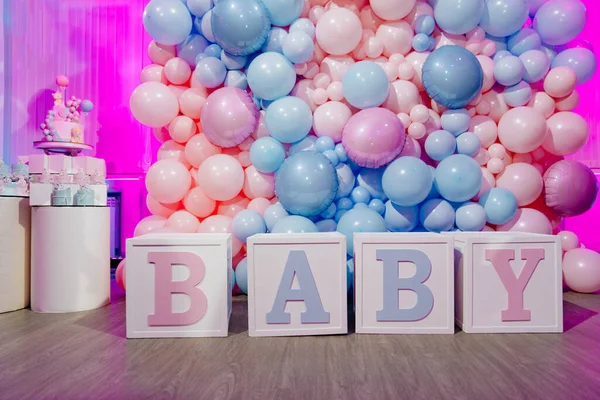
63,177
46,177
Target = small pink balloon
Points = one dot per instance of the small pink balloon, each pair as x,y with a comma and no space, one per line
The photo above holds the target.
153,73
483,108
482,157
497,150
168,181
404,118
495,165
336,66
396,37
522,129
319,96
417,130
568,133
221,177
498,106
221,224
487,65
183,222
316,13
560,82
178,71
419,113
489,48
120,275
330,118
528,220
160,53
231,207
412,148
160,209
321,80
569,240
260,205
543,103
417,60
338,31
154,104
258,184
178,91
149,224
406,71
198,149
161,134
335,92
191,102
198,203
373,47
581,270
523,180
368,19
182,129
171,150
244,159
62,81
568,103
403,96
487,183
522,158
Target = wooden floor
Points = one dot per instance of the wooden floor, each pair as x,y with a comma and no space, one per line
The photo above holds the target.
85,356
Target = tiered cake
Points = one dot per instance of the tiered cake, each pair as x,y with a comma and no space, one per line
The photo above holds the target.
14,181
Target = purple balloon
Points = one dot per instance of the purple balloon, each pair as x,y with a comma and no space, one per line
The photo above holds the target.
570,188
229,117
373,137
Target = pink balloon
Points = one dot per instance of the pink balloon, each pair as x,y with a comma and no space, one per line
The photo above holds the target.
191,102
528,220
369,20
543,103
569,240
485,128
338,31
153,104
335,91
198,203
336,67
330,118
221,177
560,82
568,133
178,91
258,184
522,129
487,64
417,60
149,224
523,180
391,10
244,159
412,148
178,71
160,53
487,183
568,103
153,73
171,150
221,224
498,106
403,97
260,205
160,209
421,8
229,117
120,275
198,149
581,270
168,181
182,129
396,37
161,134
231,207
183,222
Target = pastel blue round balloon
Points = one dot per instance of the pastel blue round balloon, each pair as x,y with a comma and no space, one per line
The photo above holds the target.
289,119
87,106
206,26
332,156
326,225
360,195
191,47
509,70
267,154
456,121
210,72
346,180
452,76
518,95
295,224
407,181
580,60
271,76
468,144
458,178
524,40
283,12
470,217
305,25
232,274
437,215
420,42
504,17
325,143
500,205
440,144
377,205
536,65
247,223
233,62
240,27
401,219
365,84
344,204
433,193
237,79
501,54
199,7
275,40
341,152
306,144
359,220
349,274
298,47
550,51
371,179
241,275
560,21
330,212
306,183
534,6
213,50
424,24
458,16
166,21
273,214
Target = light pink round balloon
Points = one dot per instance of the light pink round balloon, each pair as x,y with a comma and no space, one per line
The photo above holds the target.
178,71
160,209
498,106
522,129
403,96
178,90
260,205
120,275
198,203
396,37
369,20
191,102
569,240
153,104
261,129
485,128
221,224
182,221
568,133
581,270
171,150
161,134
543,103
182,129
523,180
336,67
149,224
528,220
231,207
560,82
221,177
168,181
257,184
153,73
391,10
198,149
487,64
412,148
568,103
338,31
330,118
160,53
417,60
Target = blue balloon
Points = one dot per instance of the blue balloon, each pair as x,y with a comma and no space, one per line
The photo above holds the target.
560,21
360,195
241,275
344,204
365,84
247,223
401,219
275,40
236,79
509,70
536,64
550,51
168,22
458,178
206,26
503,17
518,95
468,144
500,42
425,24
295,224
433,193
305,25
458,16
346,180
210,72
233,62
349,274
377,205
440,144
240,27
273,214
326,225
370,179
213,50
580,60
456,121
339,214
470,217
501,54
437,215
341,152
420,42
500,205
233,282
267,154
283,12
298,47
332,156
289,119
306,184
271,76
191,48
407,181
330,212
325,143
87,106
524,40
359,220
199,7
306,144
452,76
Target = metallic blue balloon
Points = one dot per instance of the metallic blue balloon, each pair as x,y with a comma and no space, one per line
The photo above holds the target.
295,224
240,27
458,178
168,22
306,184
361,219
452,76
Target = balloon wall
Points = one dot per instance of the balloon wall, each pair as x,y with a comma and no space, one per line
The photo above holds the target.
367,116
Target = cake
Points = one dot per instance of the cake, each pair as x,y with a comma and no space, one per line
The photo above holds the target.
61,195
84,197
14,181
63,122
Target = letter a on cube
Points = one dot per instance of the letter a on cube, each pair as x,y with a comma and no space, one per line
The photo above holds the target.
404,283
178,285
297,284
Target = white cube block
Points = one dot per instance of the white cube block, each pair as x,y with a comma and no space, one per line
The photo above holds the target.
403,283
89,165
508,282
41,194
58,163
178,285
297,284
38,163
